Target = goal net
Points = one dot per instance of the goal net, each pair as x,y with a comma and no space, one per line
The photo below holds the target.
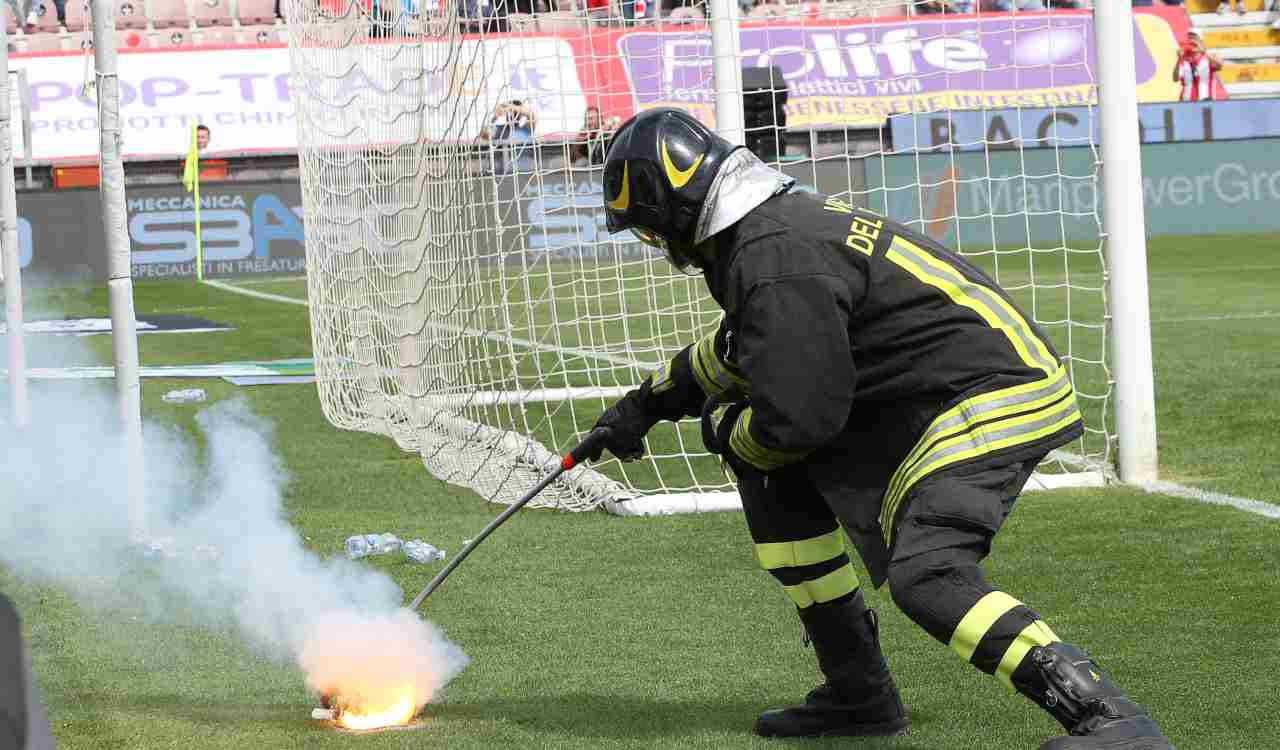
466,298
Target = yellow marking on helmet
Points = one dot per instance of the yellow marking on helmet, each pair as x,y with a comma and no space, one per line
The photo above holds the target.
679,177
623,201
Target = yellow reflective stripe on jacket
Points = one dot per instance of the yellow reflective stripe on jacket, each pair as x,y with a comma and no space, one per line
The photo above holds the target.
712,374
811,551
750,450
660,380
988,304
983,439
843,580
982,408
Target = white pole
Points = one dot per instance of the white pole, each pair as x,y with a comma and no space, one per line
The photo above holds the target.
124,334
17,350
1124,229
727,71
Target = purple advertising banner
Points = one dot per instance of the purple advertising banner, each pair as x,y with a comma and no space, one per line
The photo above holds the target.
858,74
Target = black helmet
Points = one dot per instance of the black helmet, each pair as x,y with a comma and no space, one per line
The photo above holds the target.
657,175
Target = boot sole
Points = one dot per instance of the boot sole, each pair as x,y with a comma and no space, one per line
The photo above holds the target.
1140,743
884,729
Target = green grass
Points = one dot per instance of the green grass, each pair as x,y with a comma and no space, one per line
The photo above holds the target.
591,631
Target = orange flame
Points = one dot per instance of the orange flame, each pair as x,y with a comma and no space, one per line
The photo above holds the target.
397,714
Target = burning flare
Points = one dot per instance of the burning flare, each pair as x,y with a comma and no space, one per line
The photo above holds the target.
398,714
376,670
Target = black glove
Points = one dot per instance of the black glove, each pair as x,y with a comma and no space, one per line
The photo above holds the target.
719,416
629,423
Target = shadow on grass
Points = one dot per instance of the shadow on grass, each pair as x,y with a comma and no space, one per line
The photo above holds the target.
622,717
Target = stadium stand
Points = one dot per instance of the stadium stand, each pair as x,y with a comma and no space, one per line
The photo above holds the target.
522,22
1248,43
560,21
215,35
77,15
46,15
211,12
130,14
686,14
45,42
261,34
165,14
254,12
185,23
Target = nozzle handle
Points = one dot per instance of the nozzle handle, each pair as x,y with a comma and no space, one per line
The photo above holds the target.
593,442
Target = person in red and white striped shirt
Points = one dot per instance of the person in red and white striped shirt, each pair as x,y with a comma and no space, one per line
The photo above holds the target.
1197,70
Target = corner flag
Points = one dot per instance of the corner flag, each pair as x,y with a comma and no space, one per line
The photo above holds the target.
191,181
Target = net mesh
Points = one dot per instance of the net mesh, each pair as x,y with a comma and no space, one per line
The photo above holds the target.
466,297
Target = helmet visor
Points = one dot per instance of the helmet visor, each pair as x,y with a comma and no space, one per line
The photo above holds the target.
652,239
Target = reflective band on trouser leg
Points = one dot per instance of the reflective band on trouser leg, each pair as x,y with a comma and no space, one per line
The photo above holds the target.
793,554
978,620
1035,634
833,585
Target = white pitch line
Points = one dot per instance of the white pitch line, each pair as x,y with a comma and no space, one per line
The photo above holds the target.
1217,318
1246,504
257,295
1173,489
268,280
490,335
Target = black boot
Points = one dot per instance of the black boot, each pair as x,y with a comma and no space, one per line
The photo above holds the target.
859,697
1062,680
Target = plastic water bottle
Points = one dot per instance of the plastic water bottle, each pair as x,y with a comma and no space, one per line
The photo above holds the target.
184,396
421,552
364,545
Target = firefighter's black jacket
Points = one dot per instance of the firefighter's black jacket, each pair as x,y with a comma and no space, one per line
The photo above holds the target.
872,358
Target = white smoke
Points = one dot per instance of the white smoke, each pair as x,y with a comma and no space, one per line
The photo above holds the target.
65,519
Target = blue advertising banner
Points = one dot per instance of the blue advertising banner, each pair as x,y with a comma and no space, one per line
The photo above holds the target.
1078,126
1046,198
246,229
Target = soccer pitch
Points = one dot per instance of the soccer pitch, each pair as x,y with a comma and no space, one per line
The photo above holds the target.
589,631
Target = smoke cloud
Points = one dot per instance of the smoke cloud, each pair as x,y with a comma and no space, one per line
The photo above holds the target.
238,564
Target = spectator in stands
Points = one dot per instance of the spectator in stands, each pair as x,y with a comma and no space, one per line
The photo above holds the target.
17,15
592,142
1197,70
510,133
1224,6
202,142
32,17
598,11
487,16
638,10
1010,5
945,6
59,9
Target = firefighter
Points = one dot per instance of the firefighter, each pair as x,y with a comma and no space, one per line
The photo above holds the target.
862,376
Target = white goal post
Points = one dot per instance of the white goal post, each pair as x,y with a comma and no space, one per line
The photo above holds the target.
467,301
